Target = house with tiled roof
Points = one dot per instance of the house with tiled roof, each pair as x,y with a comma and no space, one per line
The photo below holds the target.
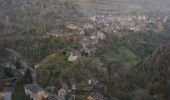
96,96
35,92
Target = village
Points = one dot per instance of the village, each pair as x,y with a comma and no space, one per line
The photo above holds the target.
84,49
114,23
88,36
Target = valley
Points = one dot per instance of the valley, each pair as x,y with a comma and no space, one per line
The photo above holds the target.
84,50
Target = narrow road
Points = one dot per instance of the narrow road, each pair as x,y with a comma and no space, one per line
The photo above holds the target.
21,60
8,96
13,52
10,89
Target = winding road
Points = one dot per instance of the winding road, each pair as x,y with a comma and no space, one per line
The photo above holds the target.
8,91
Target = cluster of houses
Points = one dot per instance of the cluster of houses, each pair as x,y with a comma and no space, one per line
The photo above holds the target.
88,46
35,92
89,42
66,89
132,22
87,36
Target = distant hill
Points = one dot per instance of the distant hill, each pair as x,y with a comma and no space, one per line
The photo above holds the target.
125,6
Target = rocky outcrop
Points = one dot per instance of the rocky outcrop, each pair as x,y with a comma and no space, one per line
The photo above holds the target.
158,64
157,70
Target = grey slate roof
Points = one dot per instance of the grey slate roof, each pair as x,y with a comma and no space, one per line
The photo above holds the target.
33,87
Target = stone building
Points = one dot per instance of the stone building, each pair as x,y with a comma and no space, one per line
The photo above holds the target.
35,92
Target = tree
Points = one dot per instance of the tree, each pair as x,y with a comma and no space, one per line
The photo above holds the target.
142,94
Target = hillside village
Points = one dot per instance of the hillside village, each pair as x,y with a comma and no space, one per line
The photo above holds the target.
51,51
88,37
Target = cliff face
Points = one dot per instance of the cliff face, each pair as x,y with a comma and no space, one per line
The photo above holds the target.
157,69
159,62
